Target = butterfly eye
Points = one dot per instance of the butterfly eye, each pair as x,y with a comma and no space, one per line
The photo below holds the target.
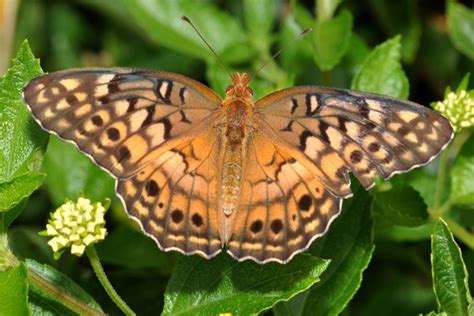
229,88
250,90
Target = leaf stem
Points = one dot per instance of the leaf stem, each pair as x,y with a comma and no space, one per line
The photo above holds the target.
460,232
99,272
64,298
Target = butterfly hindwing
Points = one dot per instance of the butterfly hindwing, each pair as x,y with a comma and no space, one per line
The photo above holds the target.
283,206
342,130
174,197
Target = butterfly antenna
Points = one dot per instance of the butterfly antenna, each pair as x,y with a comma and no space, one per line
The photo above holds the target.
306,31
188,20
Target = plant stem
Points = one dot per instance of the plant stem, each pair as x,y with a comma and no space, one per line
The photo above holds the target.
460,232
455,146
440,209
326,78
99,272
440,182
459,141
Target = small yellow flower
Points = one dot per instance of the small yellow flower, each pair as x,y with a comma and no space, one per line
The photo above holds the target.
458,107
76,225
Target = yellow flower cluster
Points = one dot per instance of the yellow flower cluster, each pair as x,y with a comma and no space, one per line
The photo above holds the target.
76,225
458,107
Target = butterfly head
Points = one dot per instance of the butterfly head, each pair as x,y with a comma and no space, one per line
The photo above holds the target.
240,87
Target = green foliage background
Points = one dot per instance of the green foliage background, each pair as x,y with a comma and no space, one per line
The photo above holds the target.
387,253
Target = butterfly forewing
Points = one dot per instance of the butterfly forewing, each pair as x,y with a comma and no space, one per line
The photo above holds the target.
120,117
342,130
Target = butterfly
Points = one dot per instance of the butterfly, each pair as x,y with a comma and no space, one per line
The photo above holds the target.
198,172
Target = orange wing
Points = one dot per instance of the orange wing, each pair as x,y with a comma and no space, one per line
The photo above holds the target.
307,141
121,117
151,131
283,206
342,130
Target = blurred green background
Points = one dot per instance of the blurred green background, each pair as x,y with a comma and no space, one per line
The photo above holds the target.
150,34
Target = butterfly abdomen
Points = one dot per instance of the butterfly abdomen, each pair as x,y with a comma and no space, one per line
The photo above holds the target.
235,138
231,176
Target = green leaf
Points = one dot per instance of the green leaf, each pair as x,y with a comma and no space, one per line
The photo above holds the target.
160,21
382,71
297,58
30,20
401,205
433,313
25,242
394,285
6,218
223,285
14,291
70,172
259,18
137,251
11,193
462,181
21,139
62,292
301,14
390,231
67,30
331,39
400,17
325,9
461,27
463,85
357,51
217,77
349,245
450,279
423,180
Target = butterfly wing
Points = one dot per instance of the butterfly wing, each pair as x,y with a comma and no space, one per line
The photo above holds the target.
174,198
342,130
120,117
308,139
283,206
147,129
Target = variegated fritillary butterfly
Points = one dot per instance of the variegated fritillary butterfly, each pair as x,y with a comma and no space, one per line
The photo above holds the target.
198,172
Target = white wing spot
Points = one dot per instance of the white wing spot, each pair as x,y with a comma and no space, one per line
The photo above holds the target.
62,104
105,78
70,84
163,88
313,103
407,116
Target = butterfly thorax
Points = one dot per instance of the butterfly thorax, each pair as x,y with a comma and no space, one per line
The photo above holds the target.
237,124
